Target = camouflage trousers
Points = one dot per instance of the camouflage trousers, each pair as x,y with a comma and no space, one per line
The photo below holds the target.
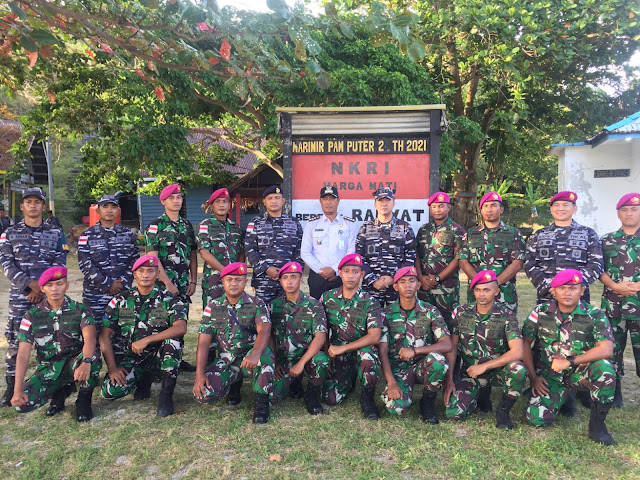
508,297
317,369
18,307
430,370
165,356
97,303
511,377
384,297
599,378
444,302
622,328
224,372
363,364
51,376
266,289
211,289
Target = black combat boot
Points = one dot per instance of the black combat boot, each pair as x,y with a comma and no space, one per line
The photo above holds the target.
5,401
295,389
617,398
428,407
503,419
368,403
234,393
569,407
143,387
261,410
312,399
165,399
484,399
597,428
187,367
83,405
585,398
58,398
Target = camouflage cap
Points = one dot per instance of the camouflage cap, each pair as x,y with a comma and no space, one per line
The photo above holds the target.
104,199
291,267
236,268
485,276
145,261
567,277
34,192
404,272
53,273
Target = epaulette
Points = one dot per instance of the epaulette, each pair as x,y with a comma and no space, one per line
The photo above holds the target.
348,219
314,217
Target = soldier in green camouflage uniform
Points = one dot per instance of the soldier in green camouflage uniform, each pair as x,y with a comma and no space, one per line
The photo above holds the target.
240,325
299,333
63,333
488,338
621,278
576,341
148,323
438,243
494,246
414,340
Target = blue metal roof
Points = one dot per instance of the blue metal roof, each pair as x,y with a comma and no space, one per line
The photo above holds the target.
577,144
631,124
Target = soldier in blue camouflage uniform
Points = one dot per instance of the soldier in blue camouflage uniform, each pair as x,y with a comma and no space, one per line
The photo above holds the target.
5,221
385,244
413,345
106,254
576,343
488,338
621,278
26,250
63,334
493,246
355,322
148,322
271,241
240,325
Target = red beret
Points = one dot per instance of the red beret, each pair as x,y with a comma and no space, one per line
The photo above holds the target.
291,267
236,268
170,190
351,259
490,197
220,193
439,197
53,273
567,277
404,271
630,199
565,196
145,261
485,276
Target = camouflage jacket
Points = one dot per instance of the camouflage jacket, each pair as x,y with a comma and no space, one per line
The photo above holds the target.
437,246
234,327
422,326
174,242
621,263
484,337
295,324
55,334
385,248
224,241
106,255
350,319
26,252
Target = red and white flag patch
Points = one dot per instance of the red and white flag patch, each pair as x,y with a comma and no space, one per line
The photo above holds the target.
534,317
153,228
113,302
25,324
207,312
3,237
250,227
204,229
83,240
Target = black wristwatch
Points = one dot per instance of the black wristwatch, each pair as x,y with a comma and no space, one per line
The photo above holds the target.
571,359
87,360
437,279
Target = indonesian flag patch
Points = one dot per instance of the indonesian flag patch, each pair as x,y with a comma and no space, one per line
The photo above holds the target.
534,317
204,229
83,240
153,228
250,227
113,302
3,238
25,324
207,312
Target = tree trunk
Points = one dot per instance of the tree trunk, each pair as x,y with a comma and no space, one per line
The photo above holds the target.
465,187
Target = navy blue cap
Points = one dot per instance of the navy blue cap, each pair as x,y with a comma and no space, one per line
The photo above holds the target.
329,190
384,192
272,189
34,192
104,199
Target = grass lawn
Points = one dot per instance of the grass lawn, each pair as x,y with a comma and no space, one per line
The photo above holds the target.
127,440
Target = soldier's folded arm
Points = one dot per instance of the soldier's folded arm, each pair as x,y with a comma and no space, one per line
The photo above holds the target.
601,351
514,354
210,260
319,340
467,268
371,338
508,273
16,276
202,353
443,345
91,270
259,346
539,385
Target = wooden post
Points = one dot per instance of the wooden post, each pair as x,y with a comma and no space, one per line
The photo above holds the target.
238,198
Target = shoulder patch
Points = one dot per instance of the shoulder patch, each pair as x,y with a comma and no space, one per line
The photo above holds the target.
348,219
152,229
314,217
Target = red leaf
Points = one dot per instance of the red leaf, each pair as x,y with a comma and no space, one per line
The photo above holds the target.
225,50
90,53
52,97
46,51
204,27
214,60
5,50
151,66
120,38
106,48
156,54
140,74
159,93
33,57
133,30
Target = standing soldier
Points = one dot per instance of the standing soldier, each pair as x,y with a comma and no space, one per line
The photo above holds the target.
412,348
563,244
220,242
271,241
27,249
149,322
576,341
5,221
490,343
621,278
298,334
493,246
171,238
437,245
353,317
240,325
385,244
106,254
327,239
64,336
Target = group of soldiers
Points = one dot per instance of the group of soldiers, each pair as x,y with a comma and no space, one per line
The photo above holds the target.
382,300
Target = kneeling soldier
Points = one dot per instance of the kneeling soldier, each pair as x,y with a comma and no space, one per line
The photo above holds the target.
490,344
414,341
148,323
64,336
240,325
299,333
576,341
353,317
